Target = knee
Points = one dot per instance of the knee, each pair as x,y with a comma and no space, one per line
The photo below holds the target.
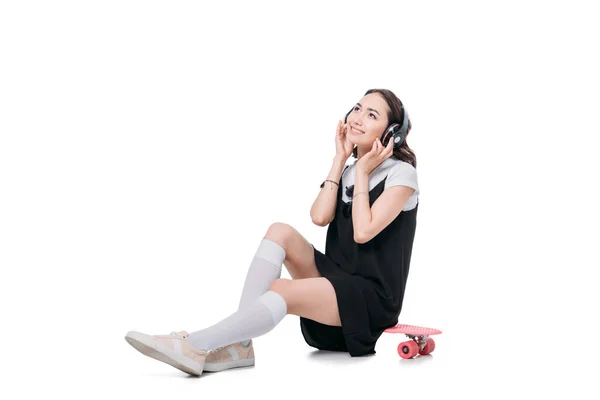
279,285
278,232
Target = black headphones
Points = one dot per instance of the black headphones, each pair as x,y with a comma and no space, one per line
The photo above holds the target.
395,130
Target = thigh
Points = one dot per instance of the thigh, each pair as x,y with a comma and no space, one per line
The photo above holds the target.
299,253
312,298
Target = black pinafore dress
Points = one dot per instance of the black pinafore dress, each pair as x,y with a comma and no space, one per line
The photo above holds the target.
369,279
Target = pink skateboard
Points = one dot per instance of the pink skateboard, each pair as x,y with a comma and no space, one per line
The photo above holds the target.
420,341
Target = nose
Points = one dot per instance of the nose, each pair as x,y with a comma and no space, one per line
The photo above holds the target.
358,119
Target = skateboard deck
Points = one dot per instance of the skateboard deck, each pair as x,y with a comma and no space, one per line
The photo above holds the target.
419,343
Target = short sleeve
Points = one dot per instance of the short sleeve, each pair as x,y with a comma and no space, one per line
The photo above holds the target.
403,174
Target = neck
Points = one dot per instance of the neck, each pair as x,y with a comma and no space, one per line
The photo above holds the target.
361,152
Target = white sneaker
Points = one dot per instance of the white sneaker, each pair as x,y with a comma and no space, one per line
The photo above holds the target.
232,356
174,349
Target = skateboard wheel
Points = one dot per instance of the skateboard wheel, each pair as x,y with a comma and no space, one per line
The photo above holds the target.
429,347
408,349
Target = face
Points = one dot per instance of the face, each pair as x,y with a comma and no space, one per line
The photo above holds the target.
368,116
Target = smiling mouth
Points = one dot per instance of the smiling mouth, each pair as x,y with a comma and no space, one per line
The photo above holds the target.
356,131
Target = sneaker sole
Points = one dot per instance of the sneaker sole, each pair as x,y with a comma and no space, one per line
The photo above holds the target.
216,367
146,345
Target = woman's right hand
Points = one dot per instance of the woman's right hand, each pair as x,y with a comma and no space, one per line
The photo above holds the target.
343,147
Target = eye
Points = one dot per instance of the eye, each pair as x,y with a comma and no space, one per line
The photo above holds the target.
357,107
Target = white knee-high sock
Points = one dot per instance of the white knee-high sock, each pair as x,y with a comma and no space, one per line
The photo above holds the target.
264,269
255,319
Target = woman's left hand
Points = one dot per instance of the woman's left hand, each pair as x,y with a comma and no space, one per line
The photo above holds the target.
376,156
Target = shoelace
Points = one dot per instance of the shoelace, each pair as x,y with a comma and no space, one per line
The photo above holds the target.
217,349
177,334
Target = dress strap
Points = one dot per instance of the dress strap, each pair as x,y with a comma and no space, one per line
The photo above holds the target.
341,176
343,172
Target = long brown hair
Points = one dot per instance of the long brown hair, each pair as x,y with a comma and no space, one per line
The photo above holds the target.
396,114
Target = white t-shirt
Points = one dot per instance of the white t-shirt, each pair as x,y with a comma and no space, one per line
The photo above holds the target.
399,173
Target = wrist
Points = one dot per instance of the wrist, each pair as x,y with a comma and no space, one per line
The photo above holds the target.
339,159
360,170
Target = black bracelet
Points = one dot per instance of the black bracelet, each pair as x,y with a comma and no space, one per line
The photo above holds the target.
329,181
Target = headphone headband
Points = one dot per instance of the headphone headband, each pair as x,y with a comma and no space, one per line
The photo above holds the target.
404,122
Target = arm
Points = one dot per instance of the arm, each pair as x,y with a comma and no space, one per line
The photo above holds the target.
322,211
367,221
361,209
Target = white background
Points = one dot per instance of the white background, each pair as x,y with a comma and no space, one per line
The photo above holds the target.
147,146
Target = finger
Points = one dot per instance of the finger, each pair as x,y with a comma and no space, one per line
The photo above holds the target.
391,147
388,152
386,148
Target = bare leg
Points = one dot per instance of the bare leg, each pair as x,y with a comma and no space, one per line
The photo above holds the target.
282,244
312,298
300,258
309,294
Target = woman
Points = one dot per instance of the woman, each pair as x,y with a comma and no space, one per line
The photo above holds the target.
346,297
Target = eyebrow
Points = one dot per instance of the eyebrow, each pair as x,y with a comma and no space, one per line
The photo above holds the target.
372,109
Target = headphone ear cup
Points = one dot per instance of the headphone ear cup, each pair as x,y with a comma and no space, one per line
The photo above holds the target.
384,137
390,134
398,139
